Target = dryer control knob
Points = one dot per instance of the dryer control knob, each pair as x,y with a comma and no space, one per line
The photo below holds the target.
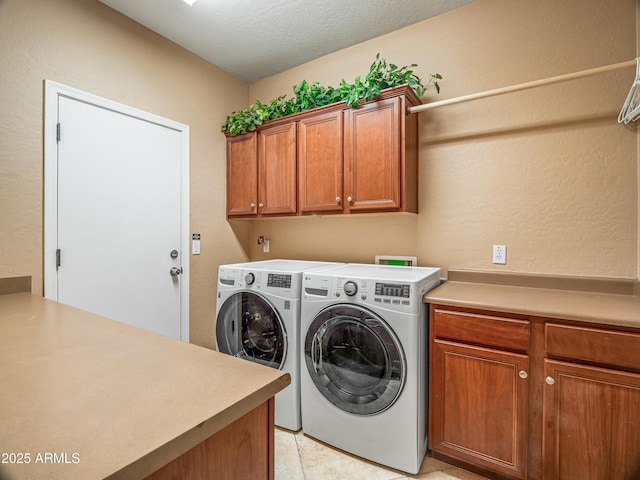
249,278
350,288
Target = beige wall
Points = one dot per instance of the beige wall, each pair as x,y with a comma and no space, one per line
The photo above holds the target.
547,172
86,45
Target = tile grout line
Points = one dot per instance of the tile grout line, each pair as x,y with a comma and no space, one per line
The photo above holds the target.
295,439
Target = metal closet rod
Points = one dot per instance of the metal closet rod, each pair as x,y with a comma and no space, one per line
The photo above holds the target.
521,86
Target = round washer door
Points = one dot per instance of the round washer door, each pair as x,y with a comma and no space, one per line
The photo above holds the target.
249,326
354,359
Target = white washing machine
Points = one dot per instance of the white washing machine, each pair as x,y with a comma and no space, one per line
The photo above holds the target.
364,360
258,319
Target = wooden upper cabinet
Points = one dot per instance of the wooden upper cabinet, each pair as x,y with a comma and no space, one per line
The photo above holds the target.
242,175
320,162
372,154
277,170
380,155
333,159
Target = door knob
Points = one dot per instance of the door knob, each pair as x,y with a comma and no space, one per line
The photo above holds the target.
175,271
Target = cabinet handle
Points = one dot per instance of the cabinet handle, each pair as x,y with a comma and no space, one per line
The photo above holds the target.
253,205
261,204
550,380
522,374
338,200
349,199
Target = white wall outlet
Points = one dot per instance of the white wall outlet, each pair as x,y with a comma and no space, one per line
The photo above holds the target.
500,254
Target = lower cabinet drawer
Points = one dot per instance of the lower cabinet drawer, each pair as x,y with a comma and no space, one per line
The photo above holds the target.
597,345
478,329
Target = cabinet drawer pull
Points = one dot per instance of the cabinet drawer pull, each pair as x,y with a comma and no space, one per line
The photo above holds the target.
523,374
253,205
550,380
261,204
338,200
349,199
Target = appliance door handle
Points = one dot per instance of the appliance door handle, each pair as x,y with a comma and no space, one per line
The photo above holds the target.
316,352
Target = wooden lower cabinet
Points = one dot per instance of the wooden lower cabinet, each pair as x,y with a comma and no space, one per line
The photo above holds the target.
479,407
242,450
591,423
524,397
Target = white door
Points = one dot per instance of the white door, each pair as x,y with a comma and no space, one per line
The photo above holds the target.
120,244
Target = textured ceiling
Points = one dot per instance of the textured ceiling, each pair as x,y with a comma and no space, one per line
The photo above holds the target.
254,39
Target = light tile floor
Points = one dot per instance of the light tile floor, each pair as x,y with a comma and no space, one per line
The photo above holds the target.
299,457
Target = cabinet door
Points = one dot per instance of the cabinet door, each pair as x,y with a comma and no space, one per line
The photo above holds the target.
320,163
591,423
277,169
373,156
242,175
478,407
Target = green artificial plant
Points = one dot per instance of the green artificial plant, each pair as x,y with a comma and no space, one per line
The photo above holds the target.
381,75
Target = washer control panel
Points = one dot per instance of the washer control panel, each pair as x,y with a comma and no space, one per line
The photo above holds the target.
396,296
279,280
282,284
393,290
392,294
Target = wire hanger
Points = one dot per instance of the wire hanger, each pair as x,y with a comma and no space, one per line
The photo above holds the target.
630,111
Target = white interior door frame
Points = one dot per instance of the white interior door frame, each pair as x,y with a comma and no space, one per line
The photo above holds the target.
53,91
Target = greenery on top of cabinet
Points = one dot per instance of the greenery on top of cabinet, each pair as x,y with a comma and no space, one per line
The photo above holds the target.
381,75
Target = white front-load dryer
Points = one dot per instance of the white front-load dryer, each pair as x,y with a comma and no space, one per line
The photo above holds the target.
364,360
258,319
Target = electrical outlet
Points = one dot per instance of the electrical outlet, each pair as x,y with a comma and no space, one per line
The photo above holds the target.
500,254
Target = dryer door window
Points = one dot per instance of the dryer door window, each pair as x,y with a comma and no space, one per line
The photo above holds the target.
354,359
249,326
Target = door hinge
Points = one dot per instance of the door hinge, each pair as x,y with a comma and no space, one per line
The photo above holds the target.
57,258
58,132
